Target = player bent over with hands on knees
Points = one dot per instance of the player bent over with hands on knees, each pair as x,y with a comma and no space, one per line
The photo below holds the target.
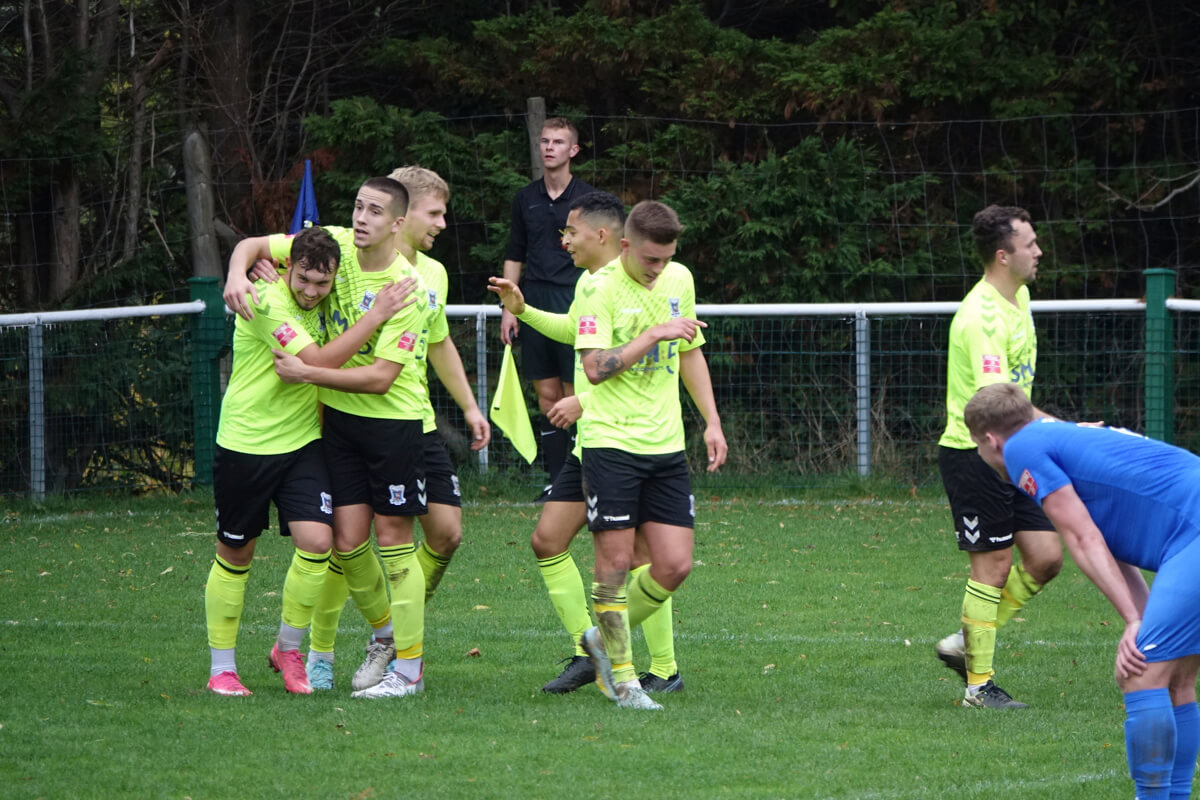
372,438
269,449
592,237
635,471
1122,503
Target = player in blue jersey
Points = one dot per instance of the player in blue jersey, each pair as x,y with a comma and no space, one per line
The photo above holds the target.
1122,503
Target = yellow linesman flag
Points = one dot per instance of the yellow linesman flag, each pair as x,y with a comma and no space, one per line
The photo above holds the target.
509,411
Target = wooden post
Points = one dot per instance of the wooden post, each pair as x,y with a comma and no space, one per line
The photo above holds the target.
197,170
535,118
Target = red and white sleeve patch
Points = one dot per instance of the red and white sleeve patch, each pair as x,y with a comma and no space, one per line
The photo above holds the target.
1027,484
284,334
991,365
408,341
587,325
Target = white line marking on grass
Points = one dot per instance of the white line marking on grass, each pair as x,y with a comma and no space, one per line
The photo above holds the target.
997,787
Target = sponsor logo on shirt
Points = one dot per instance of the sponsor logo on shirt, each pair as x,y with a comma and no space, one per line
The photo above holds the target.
587,325
284,334
368,298
407,341
1027,484
991,364
674,303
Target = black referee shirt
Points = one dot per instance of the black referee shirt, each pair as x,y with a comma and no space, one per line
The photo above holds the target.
534,239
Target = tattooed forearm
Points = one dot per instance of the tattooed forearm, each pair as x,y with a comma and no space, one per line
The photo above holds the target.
611,362
606,363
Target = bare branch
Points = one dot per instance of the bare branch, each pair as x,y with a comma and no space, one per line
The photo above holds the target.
1141,206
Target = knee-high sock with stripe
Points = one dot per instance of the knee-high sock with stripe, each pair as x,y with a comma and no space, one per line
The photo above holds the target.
980,605
433,567
224,598
1018,590
1150,742
1187,745
564,584
327,613
301,588
650,606
364,580
611,606
407,586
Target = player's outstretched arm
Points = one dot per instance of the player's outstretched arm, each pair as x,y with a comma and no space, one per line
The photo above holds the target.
390,300
600,365
1087,547
237,281
447,363
374,378
693,369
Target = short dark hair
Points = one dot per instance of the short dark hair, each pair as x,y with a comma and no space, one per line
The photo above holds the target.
562,123
993,229
655,221
313,248
601,210
999,408
394,189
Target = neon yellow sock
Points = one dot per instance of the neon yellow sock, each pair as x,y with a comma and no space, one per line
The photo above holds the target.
1018,590
612,617
224,598
328,611
980,604
407,586
564,584
433,567
650,606
364,580
302,587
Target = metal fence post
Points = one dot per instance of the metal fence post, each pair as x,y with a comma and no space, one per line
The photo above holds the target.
37,415
862,389
208,342
481,379
1160,355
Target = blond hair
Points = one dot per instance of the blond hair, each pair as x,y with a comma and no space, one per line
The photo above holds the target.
420,181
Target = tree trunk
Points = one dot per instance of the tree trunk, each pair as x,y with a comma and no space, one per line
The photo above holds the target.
64,268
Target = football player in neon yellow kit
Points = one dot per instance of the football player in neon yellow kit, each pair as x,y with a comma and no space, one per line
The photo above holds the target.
592,236
372,442
636,336
277,456
428,196
992,340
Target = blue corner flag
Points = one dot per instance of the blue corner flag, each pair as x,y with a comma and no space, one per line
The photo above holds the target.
306,204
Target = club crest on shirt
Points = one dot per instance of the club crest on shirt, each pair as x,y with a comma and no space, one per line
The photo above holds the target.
408,341
1027,484
396,494
587,325
991,365
284,334
368,298
433,299
674,303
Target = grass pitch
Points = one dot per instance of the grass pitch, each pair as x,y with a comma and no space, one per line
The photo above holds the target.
805,637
